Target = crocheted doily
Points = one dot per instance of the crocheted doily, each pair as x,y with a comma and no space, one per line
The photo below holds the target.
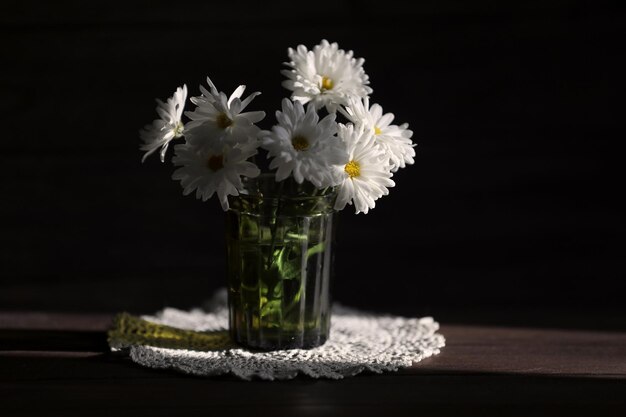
197,342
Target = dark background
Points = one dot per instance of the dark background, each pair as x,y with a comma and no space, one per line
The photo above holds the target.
509,215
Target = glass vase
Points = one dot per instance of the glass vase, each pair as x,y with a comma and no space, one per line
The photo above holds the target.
280,240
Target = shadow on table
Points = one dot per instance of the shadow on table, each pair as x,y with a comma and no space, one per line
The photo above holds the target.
36,340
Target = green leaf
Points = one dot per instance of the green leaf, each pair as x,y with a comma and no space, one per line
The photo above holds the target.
315,249
271,307
289,261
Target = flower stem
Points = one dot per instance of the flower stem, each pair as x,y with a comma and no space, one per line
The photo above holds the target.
270,255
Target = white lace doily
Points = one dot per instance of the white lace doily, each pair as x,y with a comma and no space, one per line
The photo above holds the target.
358,342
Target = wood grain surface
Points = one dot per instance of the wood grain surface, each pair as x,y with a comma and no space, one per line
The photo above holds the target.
58,364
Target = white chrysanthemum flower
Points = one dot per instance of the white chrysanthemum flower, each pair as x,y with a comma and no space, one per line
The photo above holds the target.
366,176
394,140
326,76
208,171
304,146
218,120
168,127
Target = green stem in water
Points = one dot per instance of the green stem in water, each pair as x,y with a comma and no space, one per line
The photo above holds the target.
270,255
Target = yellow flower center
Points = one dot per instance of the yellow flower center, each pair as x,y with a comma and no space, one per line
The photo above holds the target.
215,162
300,143
377,130
353,169
178,129
223,121
327,83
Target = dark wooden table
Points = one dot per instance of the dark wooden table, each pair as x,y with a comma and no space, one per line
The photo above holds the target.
59,364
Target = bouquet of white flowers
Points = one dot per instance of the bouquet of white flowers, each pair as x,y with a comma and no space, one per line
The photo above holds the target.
280,224
357,157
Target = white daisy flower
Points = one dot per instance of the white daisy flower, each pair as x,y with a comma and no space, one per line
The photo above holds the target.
366,176
304,146
394,140
208,171
168,127
218,120
326,76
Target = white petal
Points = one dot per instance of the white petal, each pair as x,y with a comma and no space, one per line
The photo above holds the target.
248,99
342,197
253,116
237,93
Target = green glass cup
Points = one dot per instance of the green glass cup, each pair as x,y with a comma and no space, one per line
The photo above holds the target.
280,239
